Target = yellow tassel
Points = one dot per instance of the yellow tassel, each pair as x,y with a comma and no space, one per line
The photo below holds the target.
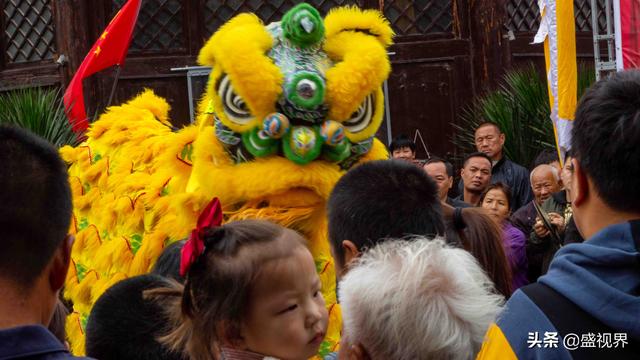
335,325
152,246
103,284
122,255
75,334
157,105
71,282
81,295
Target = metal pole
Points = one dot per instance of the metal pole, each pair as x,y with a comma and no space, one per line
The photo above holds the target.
607,11
113,88
387,112
190,92
618,35
595,31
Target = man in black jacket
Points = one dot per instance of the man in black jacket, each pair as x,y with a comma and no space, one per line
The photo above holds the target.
490,140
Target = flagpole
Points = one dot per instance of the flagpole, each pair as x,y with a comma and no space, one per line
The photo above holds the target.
113,88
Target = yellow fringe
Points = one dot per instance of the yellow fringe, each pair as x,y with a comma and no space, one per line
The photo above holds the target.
75,333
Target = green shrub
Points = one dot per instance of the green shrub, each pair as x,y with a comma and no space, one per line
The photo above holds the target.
39,110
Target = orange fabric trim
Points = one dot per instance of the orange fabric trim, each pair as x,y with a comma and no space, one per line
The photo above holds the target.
496,346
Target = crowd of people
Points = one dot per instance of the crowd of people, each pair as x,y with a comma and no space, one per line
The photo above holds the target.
488,181
421,275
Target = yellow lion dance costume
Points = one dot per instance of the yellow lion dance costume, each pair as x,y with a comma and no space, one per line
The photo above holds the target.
289,107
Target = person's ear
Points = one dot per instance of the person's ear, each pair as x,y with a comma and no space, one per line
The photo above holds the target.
231,338
60,263
502,139
351,252
579,184
358,352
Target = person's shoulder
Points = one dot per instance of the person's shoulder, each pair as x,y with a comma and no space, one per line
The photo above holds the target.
65,356
513,231
516,167
523,210
457,202
523,331
60,356
34,342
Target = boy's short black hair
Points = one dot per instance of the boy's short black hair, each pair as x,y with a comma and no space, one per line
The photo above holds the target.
546,156
606,138
124,325
447,165
402,141
35,204
382,199
476,154
168,264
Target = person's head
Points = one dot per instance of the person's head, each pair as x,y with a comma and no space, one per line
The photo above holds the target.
549,157
476,172
35,213
545,181
490,140
605,138
482,237
416,300
495,199
441,171
403,148
254,288
567,173
378,200
168,264
124,325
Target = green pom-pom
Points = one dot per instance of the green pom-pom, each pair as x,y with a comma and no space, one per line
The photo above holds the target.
337,153
257,145
306,90
302,145
303,26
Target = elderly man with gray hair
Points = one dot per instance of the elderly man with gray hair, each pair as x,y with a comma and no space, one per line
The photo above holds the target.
418,299
545,181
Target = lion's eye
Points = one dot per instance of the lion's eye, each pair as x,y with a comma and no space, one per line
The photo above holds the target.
234,106
361,118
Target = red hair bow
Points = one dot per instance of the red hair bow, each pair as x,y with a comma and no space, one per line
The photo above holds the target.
210,217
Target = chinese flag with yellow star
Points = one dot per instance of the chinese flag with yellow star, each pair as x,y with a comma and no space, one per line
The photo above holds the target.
110,49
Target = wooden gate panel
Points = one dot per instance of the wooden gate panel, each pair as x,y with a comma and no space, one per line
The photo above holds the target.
27,43
431,75
426,98
419,17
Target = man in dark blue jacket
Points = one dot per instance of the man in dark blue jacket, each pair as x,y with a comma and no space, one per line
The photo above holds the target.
587,306
35,249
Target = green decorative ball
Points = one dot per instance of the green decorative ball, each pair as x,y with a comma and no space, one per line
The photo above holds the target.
303,26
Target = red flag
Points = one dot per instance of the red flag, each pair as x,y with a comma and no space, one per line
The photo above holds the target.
110,49
629,34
